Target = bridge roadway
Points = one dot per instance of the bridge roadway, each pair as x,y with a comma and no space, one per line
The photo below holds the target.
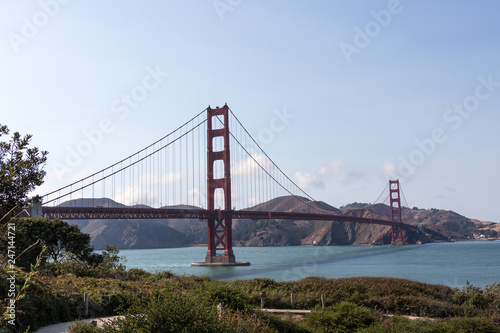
108,213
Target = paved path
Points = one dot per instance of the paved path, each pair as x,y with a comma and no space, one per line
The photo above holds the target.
286,311
64,327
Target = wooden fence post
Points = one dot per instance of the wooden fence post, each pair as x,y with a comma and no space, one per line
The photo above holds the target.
293,301
322,300
86,303
262,298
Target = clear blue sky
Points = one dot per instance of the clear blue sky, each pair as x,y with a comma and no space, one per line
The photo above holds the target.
378,89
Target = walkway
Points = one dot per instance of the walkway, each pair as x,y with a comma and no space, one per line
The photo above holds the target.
64,327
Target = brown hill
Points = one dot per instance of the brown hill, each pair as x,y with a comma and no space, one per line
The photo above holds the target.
440,225
299,232
294,204
129,234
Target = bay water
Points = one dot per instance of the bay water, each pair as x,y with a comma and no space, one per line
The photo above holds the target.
451,264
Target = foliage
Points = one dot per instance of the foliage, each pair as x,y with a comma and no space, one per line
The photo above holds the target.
391,295
218,292
492,292
21,170
20,292
354,205
342,317
471,296
106,265
83,327
109,264
171,311
288,323
491,233
57,236
136,274
455,325
189,303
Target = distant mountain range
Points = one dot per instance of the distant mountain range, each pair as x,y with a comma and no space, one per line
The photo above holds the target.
441,225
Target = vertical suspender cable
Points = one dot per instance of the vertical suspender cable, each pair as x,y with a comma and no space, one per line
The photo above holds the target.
158,177
199,166
205,163
180,167
174,182
103,189
192,166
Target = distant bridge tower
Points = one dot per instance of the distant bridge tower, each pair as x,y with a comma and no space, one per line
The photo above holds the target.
219,228
397,232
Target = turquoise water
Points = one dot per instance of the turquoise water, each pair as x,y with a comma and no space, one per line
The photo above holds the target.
451,264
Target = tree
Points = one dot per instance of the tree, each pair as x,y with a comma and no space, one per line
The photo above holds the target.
491,233
21,170
58,237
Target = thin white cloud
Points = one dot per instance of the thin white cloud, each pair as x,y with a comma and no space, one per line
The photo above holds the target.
249,165
307,181
338,171
389,170
328,171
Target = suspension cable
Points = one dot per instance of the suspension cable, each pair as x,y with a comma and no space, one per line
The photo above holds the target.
383,191
276,166
121,169
407,205
109,167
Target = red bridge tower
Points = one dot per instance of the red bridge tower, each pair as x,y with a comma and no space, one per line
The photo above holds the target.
397,232
219,228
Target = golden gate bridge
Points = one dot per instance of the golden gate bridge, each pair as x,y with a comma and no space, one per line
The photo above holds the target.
201,170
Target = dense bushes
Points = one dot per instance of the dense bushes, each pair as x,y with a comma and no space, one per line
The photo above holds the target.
352,304
455,325
105,265
344,317
56,236
217,292
173,311
384,294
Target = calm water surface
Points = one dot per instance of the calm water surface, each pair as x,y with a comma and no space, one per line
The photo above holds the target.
450,264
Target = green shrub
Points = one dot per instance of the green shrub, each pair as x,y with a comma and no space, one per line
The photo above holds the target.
215,292
105,265
83,327
165,275
456,325
466,325
342,317
402,325
471,296
136,274
165,312
399,325
171,311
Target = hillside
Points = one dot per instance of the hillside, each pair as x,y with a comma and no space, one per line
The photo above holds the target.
133,234
447,223
286,232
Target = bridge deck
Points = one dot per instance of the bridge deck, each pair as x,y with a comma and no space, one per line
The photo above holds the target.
108,213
